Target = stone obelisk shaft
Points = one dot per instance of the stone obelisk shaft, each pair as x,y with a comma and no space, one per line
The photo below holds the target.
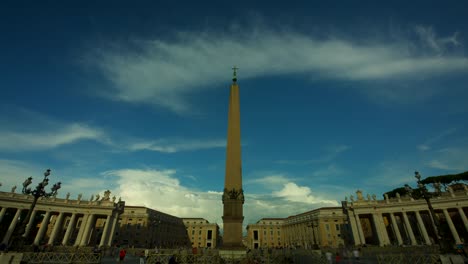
233,196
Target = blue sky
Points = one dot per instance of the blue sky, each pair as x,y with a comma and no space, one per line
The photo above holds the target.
132,97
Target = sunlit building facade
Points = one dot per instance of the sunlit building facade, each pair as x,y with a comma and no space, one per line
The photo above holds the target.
266,233
202,233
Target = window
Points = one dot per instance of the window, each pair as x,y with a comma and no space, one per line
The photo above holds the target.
327,226
337,227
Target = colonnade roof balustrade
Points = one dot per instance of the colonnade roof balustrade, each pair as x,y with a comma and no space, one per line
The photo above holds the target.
446,200
23,201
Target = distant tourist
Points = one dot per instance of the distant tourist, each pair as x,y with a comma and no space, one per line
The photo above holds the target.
356,254
122,254
329,257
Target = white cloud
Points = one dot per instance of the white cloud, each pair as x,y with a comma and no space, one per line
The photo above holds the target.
50,138
301,194
162,190
165,72
176,145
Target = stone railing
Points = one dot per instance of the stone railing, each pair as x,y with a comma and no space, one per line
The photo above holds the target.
53,257
408,259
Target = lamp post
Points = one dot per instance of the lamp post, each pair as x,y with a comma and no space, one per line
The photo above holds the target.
39,191
426,195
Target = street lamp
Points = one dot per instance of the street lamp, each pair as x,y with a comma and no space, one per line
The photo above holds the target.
426,195
38,192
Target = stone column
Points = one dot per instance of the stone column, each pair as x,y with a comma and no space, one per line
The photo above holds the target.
105,231
84,221
88,230
409,229
30,223
115,220
12,226
384,230
57,227
463,217
396,229
2,214
359,226
378,229
452,227
70,229
354,228
423,228
42,229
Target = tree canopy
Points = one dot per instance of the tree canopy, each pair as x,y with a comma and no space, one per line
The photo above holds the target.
443,179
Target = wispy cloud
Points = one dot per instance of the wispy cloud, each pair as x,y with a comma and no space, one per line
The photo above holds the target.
164,72
54,137
450,159
14,172
176,145
427,145
22,130
329,154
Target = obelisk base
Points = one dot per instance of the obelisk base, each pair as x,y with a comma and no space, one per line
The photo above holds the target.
231,254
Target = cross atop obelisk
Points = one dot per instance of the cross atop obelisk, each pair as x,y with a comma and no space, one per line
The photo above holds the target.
234,78
233,196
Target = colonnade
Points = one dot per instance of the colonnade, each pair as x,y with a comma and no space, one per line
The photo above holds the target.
402,228
68,226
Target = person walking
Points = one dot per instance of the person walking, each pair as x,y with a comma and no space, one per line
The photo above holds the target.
122,254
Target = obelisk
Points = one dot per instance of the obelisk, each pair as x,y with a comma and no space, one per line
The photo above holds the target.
233,196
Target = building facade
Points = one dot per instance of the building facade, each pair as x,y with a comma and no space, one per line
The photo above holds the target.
266,233
143,227
58,221
407,221
202,234
323,227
